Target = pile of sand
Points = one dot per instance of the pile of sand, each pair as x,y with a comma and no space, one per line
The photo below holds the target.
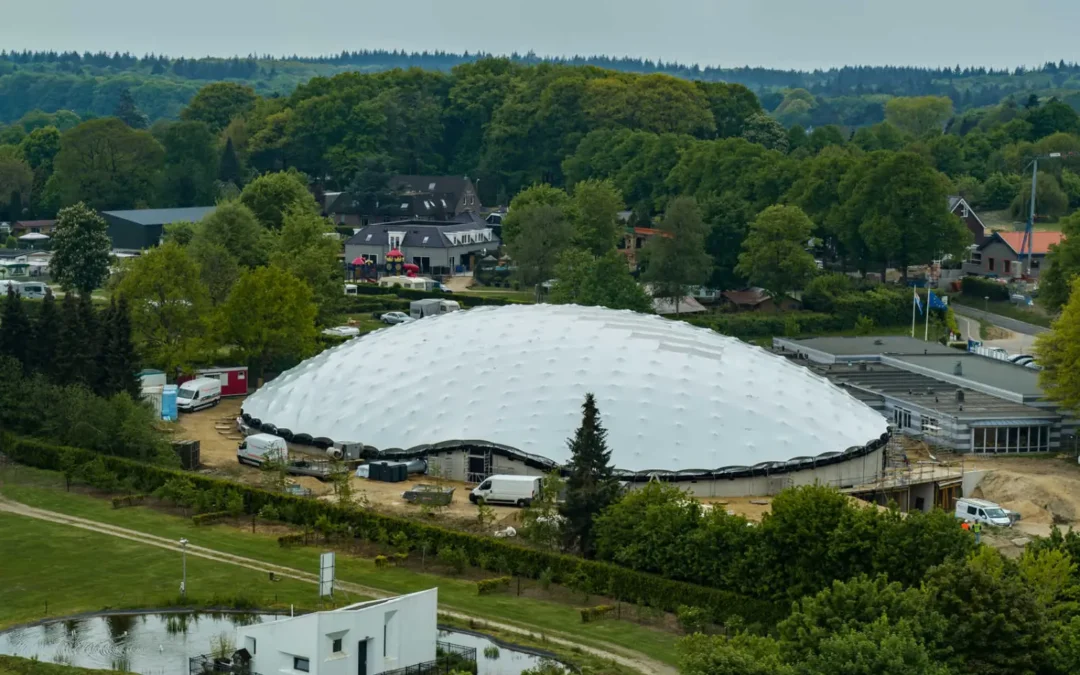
1038,499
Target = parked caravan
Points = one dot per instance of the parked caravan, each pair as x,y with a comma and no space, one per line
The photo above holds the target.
32,290
419,309
202,392
519,490
258,449
233,379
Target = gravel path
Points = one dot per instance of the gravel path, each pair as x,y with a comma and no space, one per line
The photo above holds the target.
623,657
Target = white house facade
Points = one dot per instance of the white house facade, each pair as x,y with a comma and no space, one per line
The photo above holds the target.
363,639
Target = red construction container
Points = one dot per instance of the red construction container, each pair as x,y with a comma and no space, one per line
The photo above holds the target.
234,379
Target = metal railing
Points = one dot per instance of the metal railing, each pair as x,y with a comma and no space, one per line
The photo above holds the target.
206,664
451,658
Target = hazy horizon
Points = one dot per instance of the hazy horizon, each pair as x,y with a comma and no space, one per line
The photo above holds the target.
785,34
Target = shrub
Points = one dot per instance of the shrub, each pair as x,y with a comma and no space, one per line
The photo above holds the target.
545,578
453,557
209,518
382,562
590,614
691,619
400,557
492,585
129,500
977,287
290,540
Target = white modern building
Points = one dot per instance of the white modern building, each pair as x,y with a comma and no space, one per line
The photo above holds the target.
496,390
363,639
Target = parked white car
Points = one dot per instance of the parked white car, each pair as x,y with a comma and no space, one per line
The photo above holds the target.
392,318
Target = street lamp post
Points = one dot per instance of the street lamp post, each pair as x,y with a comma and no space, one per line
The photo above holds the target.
986,303
183,579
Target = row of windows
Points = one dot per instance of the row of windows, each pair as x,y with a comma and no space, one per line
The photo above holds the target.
1010,439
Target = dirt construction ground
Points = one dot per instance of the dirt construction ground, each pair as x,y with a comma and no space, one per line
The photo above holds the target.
1044,490
215,429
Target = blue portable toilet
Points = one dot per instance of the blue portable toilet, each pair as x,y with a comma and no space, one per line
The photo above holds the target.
168,402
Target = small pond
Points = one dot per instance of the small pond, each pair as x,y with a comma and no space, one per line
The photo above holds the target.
161,643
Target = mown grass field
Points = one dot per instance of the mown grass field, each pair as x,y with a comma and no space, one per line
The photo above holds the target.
44,490
48,569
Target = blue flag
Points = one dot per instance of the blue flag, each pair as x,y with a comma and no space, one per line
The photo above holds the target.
935,302
918,302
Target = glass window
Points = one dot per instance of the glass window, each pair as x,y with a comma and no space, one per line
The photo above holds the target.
301,664
1014,439
337,646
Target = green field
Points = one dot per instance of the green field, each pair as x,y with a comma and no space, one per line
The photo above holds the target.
48,569
45,490
14,665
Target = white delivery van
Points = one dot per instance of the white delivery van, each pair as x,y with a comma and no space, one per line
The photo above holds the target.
202,392
982,511
32,290
258,449
519,490
6,284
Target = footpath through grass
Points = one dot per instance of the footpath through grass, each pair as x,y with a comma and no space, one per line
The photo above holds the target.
48,569
44,489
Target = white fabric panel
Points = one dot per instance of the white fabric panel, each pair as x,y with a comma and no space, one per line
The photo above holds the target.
671,395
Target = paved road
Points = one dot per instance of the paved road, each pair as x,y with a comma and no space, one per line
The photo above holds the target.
1015,326
623,657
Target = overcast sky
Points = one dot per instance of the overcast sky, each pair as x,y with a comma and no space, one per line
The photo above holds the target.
801,34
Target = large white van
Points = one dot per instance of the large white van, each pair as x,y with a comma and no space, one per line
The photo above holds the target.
519,490
258,449
982,511
202,392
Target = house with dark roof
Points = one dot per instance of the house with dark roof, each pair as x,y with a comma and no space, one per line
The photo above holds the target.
758,300
139,229
999,255
436,247
959,207
21,227
439,198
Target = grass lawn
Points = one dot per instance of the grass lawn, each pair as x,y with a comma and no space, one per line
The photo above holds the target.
14,665
48,569
1034,315
44,489
527,296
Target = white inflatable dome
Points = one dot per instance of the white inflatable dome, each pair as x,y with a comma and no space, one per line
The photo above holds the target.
672,396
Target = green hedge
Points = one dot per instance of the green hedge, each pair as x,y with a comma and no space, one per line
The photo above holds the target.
127,500
488,586
499,555
748,325
209,518
977,287
590,614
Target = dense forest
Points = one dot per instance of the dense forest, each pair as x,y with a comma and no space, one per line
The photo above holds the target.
89,84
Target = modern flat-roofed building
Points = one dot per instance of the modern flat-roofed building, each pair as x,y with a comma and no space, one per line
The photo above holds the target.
953,399
140,229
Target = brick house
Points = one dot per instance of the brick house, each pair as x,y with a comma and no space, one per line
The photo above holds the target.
999,254
959,207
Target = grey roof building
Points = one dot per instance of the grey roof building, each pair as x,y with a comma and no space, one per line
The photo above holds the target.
139,229
436,247
954,399
441,198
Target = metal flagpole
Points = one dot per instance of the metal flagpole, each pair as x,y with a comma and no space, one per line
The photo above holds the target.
926,332
914,301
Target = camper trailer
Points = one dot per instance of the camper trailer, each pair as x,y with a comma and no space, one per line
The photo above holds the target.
418,309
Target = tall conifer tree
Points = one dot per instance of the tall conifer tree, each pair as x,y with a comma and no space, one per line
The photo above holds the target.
591,486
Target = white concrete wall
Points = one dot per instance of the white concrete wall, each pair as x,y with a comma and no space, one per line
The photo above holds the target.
409,623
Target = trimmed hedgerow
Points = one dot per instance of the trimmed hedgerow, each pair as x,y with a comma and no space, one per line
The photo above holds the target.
495,585
599,578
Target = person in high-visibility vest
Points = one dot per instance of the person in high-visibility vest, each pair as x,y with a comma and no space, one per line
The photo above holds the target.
977,529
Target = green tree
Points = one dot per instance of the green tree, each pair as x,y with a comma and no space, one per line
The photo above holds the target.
540,194
81,249
308,248
16,336
541,234
229,167
39,150
1062,266
217,104
591,485
168,304
119,362
218,269
46,330
233,226
676,259
596,206
740,655
16,182
766,131
270,197
584,279
731,105
73,345
919,115
108,165
999,191
774,253
1050,200
128,113
191,164
269,316
880,648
